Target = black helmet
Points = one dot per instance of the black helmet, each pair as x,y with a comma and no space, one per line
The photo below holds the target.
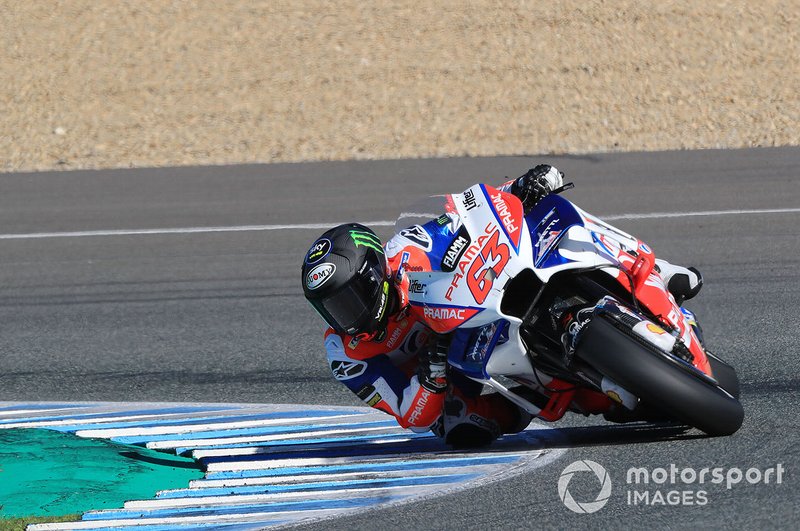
346,278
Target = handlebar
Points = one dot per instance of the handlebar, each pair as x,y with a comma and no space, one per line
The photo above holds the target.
564,188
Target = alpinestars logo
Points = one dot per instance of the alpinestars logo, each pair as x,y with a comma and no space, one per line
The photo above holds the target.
418,236
345,370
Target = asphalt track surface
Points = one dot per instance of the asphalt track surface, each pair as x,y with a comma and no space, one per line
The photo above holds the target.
219,316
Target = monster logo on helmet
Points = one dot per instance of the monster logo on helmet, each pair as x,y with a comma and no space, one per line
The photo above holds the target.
366,239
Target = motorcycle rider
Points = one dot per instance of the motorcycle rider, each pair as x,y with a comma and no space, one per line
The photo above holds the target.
383,350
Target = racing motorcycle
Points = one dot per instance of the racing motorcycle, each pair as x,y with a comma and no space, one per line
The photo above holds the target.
560,311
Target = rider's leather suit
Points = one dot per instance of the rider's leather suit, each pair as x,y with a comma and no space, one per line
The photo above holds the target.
382,372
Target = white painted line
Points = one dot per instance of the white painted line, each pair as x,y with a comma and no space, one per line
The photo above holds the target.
334,477
293,462
266,450
381,223
96,420
255,518
197,443
253,499
653,215
23,414
219,426
180,230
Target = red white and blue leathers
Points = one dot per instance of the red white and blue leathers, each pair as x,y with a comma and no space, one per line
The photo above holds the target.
383,373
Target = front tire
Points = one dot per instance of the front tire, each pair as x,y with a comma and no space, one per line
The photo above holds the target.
724,374
658,379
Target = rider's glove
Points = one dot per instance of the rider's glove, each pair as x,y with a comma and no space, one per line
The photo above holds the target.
535,184
432,368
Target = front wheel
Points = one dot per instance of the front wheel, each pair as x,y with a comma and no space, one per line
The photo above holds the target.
724,374
658,379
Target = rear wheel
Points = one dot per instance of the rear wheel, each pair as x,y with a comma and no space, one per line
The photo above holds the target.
660,380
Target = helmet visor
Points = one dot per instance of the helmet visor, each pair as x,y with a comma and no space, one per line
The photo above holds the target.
350,308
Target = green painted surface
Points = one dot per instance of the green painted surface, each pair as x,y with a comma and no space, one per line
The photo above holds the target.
20,524
48,473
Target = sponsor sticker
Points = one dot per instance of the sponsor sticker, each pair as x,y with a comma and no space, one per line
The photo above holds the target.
481,346
401,268
416,287
509,216
353,342
396,334
318,251
456,250
546,232
444,313
384,300
319,275
468,199
365,392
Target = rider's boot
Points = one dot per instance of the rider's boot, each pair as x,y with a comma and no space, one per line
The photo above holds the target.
682,282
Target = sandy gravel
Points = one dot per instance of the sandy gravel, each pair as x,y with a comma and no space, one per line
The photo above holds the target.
101,83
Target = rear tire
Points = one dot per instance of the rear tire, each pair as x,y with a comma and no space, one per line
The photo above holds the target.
658,379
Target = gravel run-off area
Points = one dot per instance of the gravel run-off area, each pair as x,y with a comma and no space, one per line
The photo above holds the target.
99,84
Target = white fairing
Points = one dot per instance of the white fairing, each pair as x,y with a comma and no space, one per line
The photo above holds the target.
593,245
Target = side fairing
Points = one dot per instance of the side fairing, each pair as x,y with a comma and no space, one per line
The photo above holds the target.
483,250
565,237
485,240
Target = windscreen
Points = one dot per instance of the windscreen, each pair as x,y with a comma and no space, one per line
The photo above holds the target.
424,210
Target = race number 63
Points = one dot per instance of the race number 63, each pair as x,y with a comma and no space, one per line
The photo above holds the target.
494,255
